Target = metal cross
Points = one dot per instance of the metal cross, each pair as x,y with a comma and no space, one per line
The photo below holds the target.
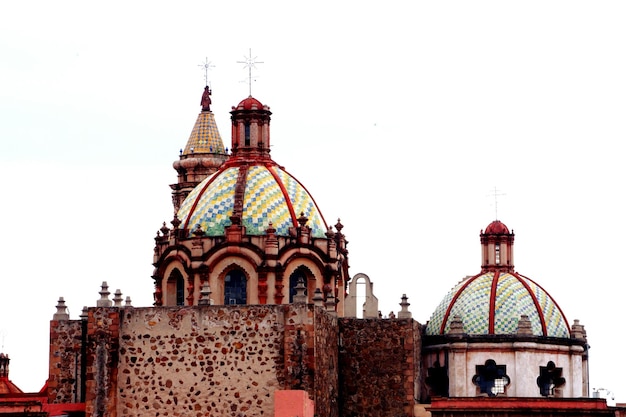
207,66
496,193
249,63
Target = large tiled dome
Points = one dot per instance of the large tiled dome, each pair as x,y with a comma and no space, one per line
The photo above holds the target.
493,302
270,195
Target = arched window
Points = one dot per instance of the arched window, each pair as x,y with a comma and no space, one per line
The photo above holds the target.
246,129
497,254
175,288
293,281
235,287
180,291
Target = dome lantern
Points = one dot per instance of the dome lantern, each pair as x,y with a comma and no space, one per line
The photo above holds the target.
497,248
250,129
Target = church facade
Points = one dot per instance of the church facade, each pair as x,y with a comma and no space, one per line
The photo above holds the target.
253,299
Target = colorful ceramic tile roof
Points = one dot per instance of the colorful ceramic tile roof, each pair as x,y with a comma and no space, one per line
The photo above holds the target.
271,195
204,138
492,303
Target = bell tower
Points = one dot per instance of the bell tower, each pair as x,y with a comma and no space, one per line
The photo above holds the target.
497,248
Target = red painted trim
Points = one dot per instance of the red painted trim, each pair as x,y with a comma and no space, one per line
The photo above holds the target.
200,194
310,195
453,301
503,405
292,212
520,278
492,302
553,300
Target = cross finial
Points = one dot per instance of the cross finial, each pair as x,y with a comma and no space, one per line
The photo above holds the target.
207,65
250,62
496,193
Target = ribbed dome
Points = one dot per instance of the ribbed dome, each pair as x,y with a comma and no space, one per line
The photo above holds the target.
249,103
493,302
268,195
496,227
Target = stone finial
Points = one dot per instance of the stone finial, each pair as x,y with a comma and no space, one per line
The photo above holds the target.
302,220
128,302
404,313
104,296
84,315
329,304
205,295
318,298
339,226
524,326
578,331
117,298
165,230
456,326
392,315
61,313
300,296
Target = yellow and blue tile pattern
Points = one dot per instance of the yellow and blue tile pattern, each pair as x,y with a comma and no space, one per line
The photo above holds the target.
204,138
515,295
264,202
213,213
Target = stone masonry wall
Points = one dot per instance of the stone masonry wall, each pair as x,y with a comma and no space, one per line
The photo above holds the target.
200,361
65,361
326,365
103,333
379,362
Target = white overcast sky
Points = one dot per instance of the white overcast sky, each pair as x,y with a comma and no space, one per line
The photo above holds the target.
400,117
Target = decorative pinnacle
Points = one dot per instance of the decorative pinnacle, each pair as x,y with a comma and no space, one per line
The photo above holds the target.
249,63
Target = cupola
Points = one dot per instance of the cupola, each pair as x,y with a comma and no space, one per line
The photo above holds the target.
497,248
250,129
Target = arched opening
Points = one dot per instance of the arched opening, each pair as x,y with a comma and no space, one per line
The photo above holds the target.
300,272
361,296
246,130
235,285
175,288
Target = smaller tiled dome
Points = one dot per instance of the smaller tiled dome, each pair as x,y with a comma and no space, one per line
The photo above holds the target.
496,227
493,302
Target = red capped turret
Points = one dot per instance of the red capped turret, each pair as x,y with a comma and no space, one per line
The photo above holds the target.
497,248
250,130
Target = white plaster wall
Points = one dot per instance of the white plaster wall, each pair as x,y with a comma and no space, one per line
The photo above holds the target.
522,359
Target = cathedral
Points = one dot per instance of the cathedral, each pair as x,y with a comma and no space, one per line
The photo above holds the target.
255,314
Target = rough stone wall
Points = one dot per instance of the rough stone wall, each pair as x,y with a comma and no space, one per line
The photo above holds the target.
103,336
379,363
65,361
326,364
196,360
200,361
